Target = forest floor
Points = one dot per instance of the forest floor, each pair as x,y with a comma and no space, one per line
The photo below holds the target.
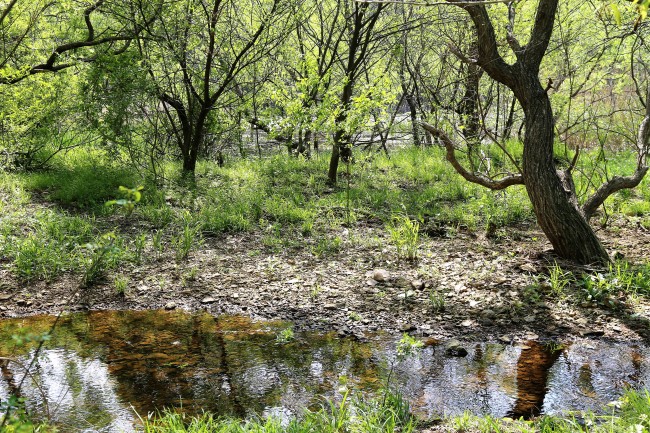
507,287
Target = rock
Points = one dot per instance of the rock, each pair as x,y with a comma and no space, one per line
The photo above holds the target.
505,339
467,323
593,333
528,267
404,296
417,284
330,306
170,306
21,302
530,319
408,327
371,283
500,280
4,297
454,348
380,275
488,314
208,300
431,342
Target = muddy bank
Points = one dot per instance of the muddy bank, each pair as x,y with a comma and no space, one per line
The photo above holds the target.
463,285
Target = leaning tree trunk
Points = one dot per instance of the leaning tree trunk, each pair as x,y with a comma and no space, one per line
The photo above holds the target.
551,191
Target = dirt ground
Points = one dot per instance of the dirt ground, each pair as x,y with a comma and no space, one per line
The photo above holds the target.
464,285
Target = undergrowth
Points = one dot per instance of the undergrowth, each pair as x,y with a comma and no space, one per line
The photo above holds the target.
631,414
49,217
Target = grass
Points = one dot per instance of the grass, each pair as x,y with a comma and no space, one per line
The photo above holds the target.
391,414
50,217
385,415
631,414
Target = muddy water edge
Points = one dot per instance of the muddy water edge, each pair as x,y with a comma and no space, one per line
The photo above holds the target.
100,369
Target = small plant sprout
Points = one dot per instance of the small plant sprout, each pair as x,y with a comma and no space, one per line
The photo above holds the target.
132,196
285,336
436,300
120,283
354,316
404,233
408,346
559,280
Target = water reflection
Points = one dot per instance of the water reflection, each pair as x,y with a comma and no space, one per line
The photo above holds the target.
100,364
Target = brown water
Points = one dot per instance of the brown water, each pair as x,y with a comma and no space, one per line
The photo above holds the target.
100,368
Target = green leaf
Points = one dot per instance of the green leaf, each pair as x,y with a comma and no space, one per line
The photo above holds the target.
617,13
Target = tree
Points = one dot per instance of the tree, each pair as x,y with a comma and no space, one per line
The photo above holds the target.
551,189
76,34
362,19
194,54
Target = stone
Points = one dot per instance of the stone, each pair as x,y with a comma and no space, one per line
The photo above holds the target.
488,314
380,275
417,284
528,267
5,297
454,348
404,296
408,327
208,300
505,339
330,306
170,306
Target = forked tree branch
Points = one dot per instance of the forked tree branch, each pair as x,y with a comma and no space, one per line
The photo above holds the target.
618,183
478,178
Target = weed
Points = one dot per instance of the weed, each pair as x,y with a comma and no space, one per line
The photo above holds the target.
188,239
559,280
354,316
404,233
328,246
285,336
436,301
139,244
157,240
120,283
99,258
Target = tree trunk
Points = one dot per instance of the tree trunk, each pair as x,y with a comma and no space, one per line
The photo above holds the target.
551,192
410,100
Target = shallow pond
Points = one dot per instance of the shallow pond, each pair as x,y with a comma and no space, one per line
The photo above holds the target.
100,368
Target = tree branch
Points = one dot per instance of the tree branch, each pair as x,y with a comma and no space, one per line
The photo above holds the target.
618,183
477,178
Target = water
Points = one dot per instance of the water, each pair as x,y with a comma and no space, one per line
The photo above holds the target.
100,368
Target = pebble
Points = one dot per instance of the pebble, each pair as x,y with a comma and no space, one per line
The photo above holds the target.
170,306
208,300
417,284
454,348
380,275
